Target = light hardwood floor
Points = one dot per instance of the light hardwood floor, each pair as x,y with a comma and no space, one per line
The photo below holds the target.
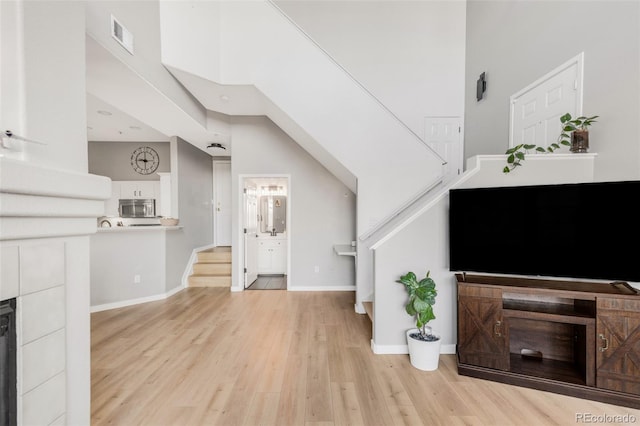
206,356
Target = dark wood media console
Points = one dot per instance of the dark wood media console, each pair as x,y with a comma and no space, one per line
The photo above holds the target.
575,338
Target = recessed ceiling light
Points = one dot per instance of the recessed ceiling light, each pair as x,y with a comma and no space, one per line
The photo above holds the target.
225,98
135,127
103,112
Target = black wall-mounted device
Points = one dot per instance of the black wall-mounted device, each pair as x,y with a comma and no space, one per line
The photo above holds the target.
481,87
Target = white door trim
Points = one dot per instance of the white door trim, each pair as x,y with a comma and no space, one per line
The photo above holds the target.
578,61
240,218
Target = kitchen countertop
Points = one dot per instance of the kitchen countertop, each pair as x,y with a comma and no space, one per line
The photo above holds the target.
139,228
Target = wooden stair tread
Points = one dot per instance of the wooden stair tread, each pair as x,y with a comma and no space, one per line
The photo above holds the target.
214,258
218,267
209,281
210,275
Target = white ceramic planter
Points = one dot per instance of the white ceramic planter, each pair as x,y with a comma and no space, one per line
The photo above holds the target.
423,355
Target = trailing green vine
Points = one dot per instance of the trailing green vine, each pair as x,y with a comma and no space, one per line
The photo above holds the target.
517,153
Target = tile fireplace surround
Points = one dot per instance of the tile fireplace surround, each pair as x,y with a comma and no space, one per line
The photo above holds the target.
46,216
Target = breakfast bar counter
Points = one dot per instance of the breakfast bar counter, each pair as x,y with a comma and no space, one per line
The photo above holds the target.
132,264
138,228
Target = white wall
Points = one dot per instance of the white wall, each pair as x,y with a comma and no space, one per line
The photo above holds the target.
515,43
117,256
193,177
409,54
322,208
142,19
36,57
177,44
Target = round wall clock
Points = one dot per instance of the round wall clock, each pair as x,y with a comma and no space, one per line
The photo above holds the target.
145,160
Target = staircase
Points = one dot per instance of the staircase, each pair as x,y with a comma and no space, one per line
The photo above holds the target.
212,269
346,128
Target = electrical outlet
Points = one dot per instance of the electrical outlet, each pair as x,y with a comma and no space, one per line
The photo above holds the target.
316,269
136,279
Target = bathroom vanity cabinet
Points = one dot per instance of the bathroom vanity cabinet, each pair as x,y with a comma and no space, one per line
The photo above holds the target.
272,255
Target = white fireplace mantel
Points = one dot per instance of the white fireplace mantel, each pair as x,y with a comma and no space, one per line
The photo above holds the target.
46,217
42,202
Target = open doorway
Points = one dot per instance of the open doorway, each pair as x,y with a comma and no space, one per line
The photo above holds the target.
266,223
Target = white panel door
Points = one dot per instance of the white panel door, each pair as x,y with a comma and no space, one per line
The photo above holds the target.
536,110
222,212
443,135
250,236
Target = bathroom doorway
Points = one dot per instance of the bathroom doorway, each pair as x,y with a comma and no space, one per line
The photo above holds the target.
266,228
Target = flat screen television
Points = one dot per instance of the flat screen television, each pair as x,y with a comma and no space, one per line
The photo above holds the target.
587,230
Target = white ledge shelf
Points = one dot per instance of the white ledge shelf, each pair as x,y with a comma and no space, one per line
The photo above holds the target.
344,250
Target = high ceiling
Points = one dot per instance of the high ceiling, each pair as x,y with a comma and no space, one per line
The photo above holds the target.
123,106
106,123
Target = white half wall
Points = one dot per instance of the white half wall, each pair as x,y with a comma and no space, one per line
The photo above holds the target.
427,235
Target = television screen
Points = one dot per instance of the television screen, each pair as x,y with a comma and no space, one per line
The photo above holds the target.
588,230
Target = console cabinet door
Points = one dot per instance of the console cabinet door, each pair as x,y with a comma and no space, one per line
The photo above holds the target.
618,345
482,335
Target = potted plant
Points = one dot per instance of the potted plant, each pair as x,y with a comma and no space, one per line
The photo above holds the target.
579,136
574,134
424,346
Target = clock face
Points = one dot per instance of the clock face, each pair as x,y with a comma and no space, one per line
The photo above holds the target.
145,160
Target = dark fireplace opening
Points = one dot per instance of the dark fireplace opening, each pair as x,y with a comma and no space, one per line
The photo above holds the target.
8,384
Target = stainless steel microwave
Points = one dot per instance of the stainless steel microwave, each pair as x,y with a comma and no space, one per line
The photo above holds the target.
137,208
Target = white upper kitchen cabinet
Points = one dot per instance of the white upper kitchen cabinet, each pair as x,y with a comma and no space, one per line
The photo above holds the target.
139,189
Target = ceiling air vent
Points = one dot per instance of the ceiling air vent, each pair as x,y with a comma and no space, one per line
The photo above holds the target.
121,34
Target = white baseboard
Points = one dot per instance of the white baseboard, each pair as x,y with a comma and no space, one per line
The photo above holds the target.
404,349
389,349
448,349
131,302
359,308
188,270
324,288
236,289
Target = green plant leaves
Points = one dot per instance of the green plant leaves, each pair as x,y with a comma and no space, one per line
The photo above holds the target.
565,118
422,297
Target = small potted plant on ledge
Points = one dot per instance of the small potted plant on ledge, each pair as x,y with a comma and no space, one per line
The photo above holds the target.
574,134
579,135
424,346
